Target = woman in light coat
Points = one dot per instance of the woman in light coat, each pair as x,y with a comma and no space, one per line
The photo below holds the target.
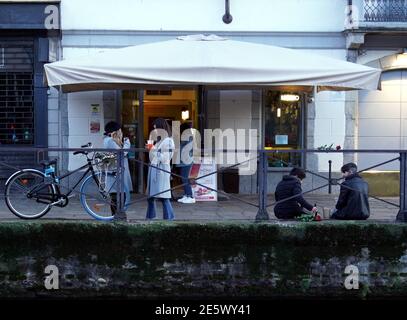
158,181
114,140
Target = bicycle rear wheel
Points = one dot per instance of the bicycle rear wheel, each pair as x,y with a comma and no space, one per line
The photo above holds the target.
17,196
95,196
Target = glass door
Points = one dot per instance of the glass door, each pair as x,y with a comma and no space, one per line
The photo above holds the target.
132,123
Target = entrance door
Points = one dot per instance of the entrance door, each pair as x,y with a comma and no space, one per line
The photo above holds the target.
138,112
173,105
131,113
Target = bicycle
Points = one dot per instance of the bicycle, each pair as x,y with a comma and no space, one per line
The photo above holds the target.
31,193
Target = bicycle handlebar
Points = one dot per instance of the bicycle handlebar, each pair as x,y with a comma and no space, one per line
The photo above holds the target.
88,145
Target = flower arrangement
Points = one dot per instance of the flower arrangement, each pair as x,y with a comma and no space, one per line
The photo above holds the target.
330,147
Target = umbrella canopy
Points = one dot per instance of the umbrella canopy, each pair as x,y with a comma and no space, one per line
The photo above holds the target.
211,61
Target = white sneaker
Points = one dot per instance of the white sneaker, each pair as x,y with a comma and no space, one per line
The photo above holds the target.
182,199
189,200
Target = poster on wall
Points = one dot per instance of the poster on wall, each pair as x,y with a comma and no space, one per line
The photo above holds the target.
94,125
201,193
94,121
95,109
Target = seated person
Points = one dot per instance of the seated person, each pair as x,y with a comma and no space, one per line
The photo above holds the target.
288,187
353,201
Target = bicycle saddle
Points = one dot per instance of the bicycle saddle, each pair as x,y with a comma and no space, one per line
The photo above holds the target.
47,163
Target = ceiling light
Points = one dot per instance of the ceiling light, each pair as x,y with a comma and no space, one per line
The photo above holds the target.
290,97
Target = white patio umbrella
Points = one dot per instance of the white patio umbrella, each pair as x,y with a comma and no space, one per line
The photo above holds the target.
211,61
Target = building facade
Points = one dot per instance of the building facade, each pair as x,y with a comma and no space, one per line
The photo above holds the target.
369,32
27,41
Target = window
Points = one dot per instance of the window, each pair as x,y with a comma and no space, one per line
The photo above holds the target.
284,127
16,92
16,108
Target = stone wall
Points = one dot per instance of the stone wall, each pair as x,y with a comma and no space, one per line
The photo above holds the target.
203,260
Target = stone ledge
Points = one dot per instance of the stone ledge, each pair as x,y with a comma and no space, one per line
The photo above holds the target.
331,233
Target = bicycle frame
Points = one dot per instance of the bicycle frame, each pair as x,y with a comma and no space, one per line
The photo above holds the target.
55,182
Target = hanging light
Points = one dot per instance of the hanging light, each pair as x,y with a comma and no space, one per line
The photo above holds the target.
289,97
185,114
278,112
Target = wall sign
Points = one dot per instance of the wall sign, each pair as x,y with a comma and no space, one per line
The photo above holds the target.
201,169
94,122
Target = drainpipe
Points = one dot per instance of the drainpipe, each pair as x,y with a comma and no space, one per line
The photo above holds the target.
227,17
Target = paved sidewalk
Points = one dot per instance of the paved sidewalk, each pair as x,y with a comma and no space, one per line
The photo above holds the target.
225,209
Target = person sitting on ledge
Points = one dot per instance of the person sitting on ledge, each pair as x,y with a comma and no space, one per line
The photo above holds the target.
353,201
288,187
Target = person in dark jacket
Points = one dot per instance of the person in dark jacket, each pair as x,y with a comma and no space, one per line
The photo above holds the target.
288,187
353,201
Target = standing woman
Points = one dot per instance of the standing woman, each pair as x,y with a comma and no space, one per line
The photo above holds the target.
114,140
158,180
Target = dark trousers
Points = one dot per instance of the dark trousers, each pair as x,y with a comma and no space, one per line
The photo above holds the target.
340,215
113,204
168,212
185,170
288,213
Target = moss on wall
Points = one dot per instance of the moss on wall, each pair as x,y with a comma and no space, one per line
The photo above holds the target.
207,259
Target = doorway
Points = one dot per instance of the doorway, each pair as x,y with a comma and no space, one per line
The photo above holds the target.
139,109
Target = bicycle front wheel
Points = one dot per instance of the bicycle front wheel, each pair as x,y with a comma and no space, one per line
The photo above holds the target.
26,194
95,196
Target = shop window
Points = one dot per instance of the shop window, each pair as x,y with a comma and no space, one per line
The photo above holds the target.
284,128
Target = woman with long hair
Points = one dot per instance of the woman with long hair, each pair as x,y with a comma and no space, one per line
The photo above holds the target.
159,173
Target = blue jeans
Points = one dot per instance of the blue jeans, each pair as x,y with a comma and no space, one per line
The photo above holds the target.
185,170
168,212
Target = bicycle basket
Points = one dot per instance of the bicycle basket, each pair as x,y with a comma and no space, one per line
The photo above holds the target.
106,161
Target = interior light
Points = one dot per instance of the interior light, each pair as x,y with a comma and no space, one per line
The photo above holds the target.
278,112
289,97
185,114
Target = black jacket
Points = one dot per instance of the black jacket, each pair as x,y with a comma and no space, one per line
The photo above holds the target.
353,201
288,187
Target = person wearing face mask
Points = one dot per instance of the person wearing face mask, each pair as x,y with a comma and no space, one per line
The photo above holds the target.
353,200
114,140
287,188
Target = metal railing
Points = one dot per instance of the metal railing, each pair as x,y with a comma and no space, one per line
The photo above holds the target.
263,173
262,157
385,10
